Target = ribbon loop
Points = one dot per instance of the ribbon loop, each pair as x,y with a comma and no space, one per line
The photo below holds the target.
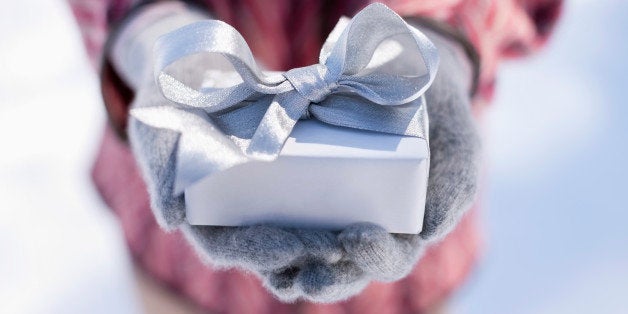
373,72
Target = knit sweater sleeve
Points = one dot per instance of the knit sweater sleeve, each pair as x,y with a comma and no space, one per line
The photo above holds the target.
95,18
498,29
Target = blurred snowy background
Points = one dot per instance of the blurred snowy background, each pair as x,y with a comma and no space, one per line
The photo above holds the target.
556,209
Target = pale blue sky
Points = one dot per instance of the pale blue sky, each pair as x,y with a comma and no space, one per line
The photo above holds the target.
555,220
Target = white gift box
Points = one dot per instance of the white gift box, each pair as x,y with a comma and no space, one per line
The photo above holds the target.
325,177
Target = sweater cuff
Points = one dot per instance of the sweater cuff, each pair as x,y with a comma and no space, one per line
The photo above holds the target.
128,51
132,44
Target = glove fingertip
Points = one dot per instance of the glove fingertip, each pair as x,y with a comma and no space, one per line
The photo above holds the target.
321,244
282,283
383,256
266,247
325,283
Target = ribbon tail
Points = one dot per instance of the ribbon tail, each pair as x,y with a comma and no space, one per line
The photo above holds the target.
201,150
276,125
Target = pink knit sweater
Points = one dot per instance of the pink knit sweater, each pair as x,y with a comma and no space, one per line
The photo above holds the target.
292,33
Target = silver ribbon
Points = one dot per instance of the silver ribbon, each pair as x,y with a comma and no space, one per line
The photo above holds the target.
373,72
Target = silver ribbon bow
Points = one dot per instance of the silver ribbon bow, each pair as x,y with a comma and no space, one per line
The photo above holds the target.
373,72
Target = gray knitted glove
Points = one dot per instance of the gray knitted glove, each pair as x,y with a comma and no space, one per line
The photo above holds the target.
320,265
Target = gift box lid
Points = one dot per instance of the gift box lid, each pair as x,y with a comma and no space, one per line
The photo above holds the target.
311,138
